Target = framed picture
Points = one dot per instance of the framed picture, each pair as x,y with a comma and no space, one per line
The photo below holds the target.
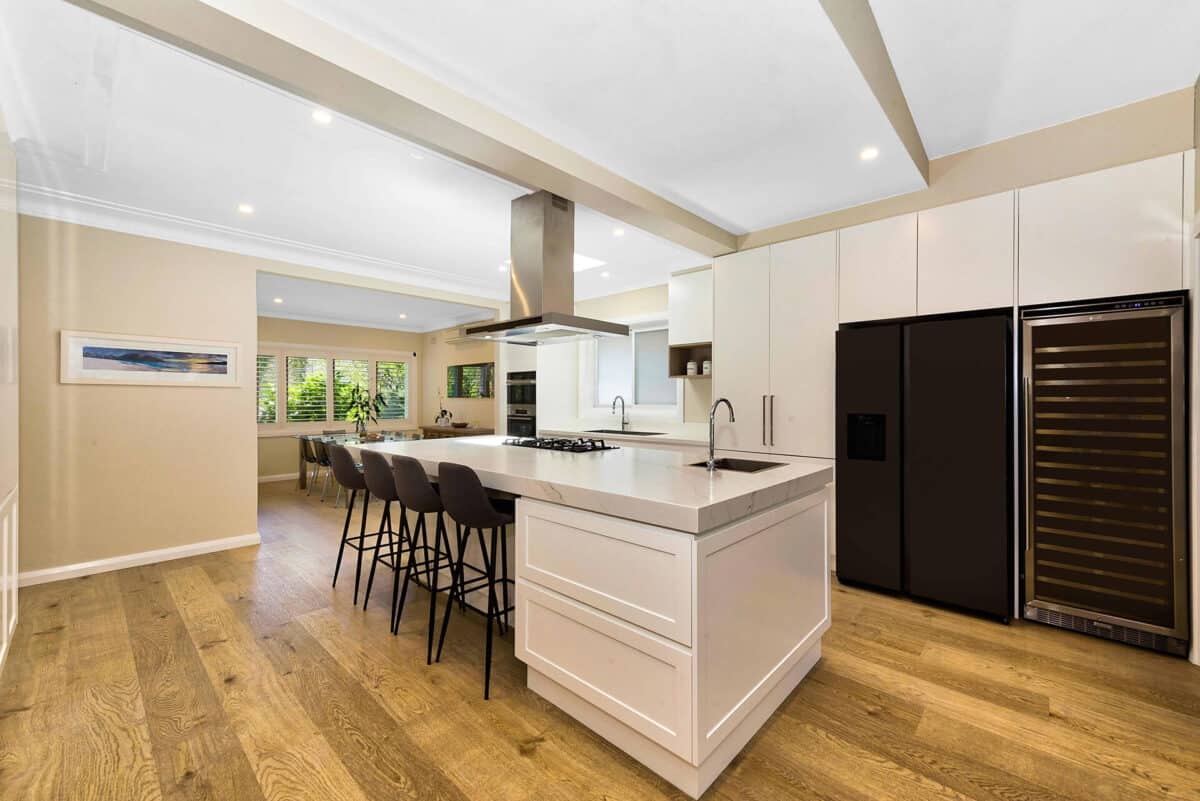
88,357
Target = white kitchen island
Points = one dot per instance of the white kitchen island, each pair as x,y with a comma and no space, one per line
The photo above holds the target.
668,609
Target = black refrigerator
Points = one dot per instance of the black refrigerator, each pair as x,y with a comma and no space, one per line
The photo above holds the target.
925,459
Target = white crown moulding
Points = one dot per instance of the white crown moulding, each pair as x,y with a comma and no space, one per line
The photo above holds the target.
54,204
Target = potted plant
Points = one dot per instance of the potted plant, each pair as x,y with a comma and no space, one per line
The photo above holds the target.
362,408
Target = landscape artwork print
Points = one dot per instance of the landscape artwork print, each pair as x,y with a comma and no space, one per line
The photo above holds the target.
92,358
144,359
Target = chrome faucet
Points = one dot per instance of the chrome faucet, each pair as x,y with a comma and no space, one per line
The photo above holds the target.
624,417
712,429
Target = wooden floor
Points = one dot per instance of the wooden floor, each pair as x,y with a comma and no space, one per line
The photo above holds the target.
242,676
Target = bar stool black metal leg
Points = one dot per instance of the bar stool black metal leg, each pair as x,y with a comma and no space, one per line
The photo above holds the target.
439,532
398,604
345,532
458,571
362,538
385,527
504,574
493,612
401,538
462,577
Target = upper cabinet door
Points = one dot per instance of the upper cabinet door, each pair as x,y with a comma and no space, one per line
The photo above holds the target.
803,365
690,308
741,345
877,270
1114,232
965,255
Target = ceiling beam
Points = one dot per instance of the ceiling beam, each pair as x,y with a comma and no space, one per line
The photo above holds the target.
855,24
280,45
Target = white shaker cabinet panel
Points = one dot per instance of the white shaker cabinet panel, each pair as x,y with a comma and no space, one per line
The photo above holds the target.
965,255
741,346
803,323
877,270
1114,232
690,308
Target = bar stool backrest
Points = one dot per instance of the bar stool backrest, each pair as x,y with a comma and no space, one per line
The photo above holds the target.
343,467
413,487
465,498
378,476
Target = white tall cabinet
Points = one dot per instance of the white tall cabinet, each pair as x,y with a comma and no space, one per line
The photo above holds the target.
773,347
877,270
742,345
965,255
1113,232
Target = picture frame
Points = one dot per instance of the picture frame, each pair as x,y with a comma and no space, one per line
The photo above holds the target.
92,357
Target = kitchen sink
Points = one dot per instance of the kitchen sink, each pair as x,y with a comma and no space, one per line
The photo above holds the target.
740,465
618,431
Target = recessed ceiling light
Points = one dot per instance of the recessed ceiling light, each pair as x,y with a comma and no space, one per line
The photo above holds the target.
403,316
416,155
869,153
277,300
618,232
245,208
322,117
585,262
503,268
604,274
508,261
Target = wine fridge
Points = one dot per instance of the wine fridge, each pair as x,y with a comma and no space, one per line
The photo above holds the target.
1105,477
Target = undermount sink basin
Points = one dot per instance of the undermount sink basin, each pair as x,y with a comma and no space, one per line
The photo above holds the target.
740,465
618,431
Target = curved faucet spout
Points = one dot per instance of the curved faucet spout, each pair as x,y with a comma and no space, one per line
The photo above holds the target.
624,417
712,429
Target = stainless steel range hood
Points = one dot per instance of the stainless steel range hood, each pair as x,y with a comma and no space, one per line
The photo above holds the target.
542,276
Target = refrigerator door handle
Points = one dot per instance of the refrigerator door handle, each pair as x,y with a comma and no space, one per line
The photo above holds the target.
772,443
764,420
1026,419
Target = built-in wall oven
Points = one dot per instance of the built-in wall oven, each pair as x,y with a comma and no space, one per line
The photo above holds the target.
522,404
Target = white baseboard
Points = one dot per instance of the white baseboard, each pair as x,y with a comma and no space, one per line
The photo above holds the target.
32,577
278,477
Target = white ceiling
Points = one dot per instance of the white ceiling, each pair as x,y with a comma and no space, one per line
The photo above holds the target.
984,70
748,115
117,129
347,305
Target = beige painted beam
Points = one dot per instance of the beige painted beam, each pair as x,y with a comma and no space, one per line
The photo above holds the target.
282,46
1196,145
1142,130
855,24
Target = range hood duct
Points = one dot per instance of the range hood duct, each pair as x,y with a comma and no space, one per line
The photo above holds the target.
542,279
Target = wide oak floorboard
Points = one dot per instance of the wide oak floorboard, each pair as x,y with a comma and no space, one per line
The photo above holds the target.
244,676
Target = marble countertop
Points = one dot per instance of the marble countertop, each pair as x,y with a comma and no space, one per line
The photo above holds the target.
650,485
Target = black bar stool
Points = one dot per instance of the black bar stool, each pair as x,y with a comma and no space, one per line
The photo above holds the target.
349,476
468,503
419,494
379,482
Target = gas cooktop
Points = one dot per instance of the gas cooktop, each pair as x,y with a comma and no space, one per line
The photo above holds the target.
580,445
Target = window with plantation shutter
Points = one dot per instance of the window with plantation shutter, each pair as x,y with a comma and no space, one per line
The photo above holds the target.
307,383
347,374
469,380
267,383
391,381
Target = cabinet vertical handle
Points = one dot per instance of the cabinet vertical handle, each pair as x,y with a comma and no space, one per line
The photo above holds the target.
764,420
772,421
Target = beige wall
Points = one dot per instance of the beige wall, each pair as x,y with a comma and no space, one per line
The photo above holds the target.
8,317
109,470
649,303
277,455
438,354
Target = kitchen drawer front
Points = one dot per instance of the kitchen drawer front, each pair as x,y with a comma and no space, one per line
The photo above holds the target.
640,679
633,571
